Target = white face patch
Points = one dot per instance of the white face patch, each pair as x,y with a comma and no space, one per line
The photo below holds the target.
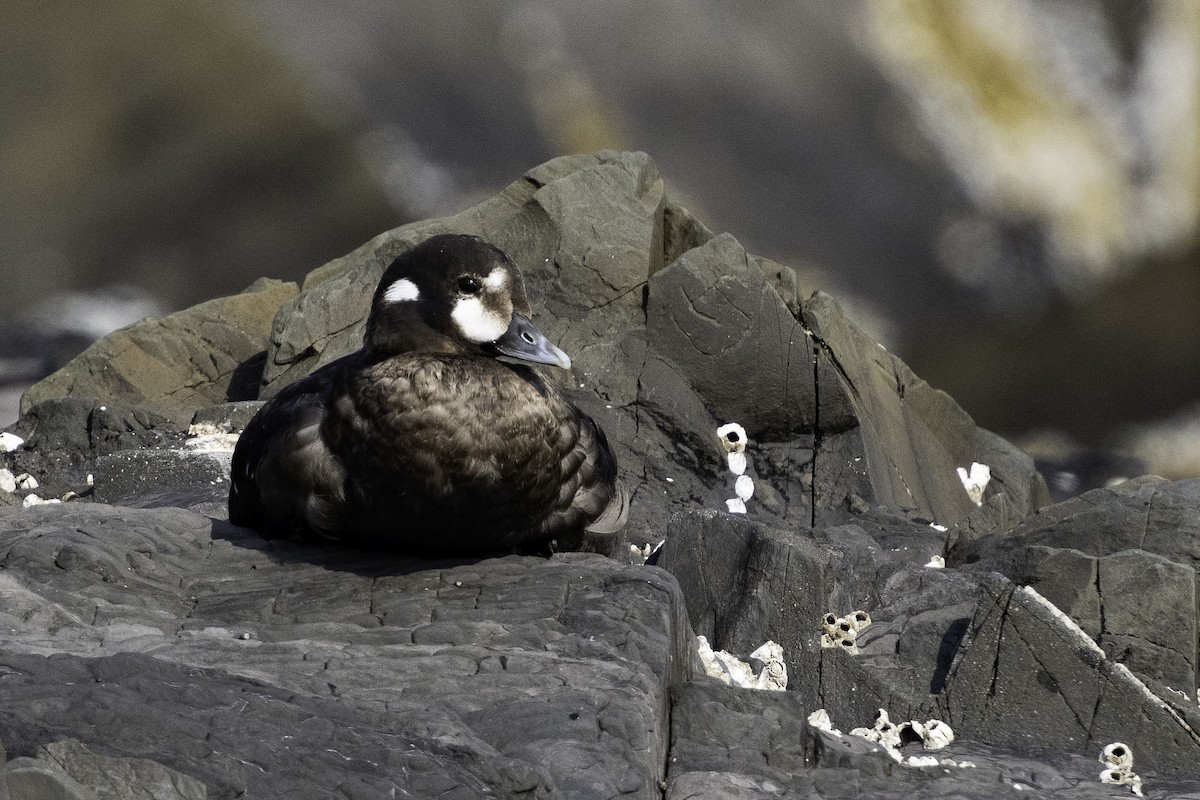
496,279
477,323
401,291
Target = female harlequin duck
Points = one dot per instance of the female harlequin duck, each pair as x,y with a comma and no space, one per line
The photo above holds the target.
423,441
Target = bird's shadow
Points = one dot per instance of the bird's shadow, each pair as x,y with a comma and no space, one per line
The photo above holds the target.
333,556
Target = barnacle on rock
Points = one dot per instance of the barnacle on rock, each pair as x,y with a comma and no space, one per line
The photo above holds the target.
934,733
729,669
744,487
1117,754
975,481
733,437
842,632
1118,759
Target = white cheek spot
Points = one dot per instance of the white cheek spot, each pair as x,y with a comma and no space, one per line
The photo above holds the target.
477,323
401,291
496,279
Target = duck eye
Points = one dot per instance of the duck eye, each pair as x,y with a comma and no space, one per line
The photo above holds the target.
469,284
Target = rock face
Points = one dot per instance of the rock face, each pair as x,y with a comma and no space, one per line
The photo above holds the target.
506,676
191,359
141,635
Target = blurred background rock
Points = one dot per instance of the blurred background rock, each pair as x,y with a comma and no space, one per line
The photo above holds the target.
1003,192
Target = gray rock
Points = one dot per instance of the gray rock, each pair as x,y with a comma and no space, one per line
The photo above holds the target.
1026,672
714,314
718,728
310,667
34,779
889,438
174,365
744,583
228,417
125,778
128,477
1122,562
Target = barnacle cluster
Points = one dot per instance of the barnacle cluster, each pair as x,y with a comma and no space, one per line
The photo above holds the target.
1117,759
842,632
933,734
975,480
765,669
733,439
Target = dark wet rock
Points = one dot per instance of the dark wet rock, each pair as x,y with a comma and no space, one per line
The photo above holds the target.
718,728
733,744
419,673
1123,563
1025,671
889,438
65,436
130,477
713,312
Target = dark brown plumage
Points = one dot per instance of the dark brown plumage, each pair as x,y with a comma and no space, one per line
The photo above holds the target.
423,441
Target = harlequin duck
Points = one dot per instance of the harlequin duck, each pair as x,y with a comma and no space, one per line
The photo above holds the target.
424,441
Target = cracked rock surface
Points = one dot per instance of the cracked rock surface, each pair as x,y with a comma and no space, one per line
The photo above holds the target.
150,649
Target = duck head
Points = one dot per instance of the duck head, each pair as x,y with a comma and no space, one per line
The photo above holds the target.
455,293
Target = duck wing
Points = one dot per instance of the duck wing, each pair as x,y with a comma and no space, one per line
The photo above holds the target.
593,504
285,479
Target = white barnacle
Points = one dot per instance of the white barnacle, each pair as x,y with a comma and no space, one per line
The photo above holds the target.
842,632
870,734
736,462
1118,760
402,290
733,437
10,442
27,481
743,487
774,671
888,731
1117,754
7,482
934,733
736,505
937,562
820,720
726,667
975,481
1123,777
